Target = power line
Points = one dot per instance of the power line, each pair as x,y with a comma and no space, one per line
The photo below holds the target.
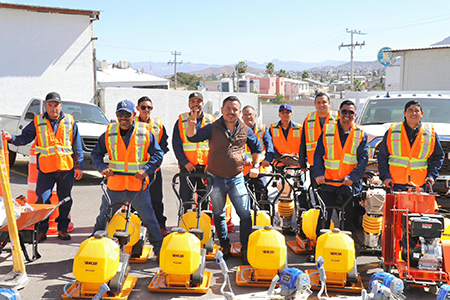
134,49
352,47
410,24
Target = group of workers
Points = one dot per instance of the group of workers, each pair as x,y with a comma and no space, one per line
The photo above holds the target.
329,144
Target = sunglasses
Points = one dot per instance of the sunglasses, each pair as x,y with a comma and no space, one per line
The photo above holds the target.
122,113
143,107
345,112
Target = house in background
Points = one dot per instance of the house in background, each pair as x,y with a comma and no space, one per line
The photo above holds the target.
423,69
122,75
295,89
45,49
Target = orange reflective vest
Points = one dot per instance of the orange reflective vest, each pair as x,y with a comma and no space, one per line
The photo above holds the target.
313,131
340,161
155,127
404,160
55,150
291,145
259,130
196,153
123,159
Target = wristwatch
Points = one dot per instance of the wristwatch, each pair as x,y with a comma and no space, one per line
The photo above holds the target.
255,166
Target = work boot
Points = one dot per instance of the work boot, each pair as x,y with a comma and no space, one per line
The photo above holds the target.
164,232
226,251
64,235
41,237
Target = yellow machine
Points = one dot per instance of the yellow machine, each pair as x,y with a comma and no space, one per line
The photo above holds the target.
267,256
102,264
305,241
308,221
100,268
191,220
182,265
138,234
196,220
126,220
183,252
337,249
263,217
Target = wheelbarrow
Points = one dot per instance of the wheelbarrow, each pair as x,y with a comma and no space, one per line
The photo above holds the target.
27,225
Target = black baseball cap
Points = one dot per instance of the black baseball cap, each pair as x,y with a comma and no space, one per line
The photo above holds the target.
53,96
196,95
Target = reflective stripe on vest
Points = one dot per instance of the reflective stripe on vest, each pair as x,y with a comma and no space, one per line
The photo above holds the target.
156,128
43,145
188,147
260,129
289,145
400,159
311,134
339,161
140,152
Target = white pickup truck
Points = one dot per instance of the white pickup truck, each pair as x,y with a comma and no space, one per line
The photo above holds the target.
379,112
90,120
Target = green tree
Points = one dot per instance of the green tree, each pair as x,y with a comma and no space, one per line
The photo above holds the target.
357,85
241,68
186,80
270,69
282,73
305,74
279,99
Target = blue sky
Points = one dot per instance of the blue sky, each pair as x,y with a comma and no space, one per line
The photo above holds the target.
226,32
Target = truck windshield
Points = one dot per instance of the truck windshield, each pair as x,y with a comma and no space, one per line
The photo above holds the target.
389,111
82,112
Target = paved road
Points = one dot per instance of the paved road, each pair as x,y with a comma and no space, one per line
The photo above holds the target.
48,275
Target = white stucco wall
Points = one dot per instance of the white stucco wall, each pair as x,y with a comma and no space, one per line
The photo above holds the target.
44,52
169,104
270,113
425,70
392,78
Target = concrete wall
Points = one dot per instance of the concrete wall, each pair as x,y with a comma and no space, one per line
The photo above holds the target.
270,113
168,105
392,78
425,70
44,52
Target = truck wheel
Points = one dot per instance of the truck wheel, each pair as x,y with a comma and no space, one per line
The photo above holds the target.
12,158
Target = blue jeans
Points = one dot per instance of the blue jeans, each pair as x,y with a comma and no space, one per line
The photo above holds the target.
44,186
235,188
142,205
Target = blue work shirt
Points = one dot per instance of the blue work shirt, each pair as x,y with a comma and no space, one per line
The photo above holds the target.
302,154
156,154
435,161
163,144
177,143
29,134
267,140
285,133
356,175
205,133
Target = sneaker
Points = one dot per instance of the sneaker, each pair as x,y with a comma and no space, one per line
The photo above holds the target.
64,235
41,237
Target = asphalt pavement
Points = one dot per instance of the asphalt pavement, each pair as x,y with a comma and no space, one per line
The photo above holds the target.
49,274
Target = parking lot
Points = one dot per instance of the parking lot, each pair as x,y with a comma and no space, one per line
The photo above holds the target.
49,274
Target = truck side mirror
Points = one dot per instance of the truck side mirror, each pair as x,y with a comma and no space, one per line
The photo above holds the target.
30,115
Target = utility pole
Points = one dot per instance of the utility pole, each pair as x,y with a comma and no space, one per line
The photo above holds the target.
352,47
175,53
